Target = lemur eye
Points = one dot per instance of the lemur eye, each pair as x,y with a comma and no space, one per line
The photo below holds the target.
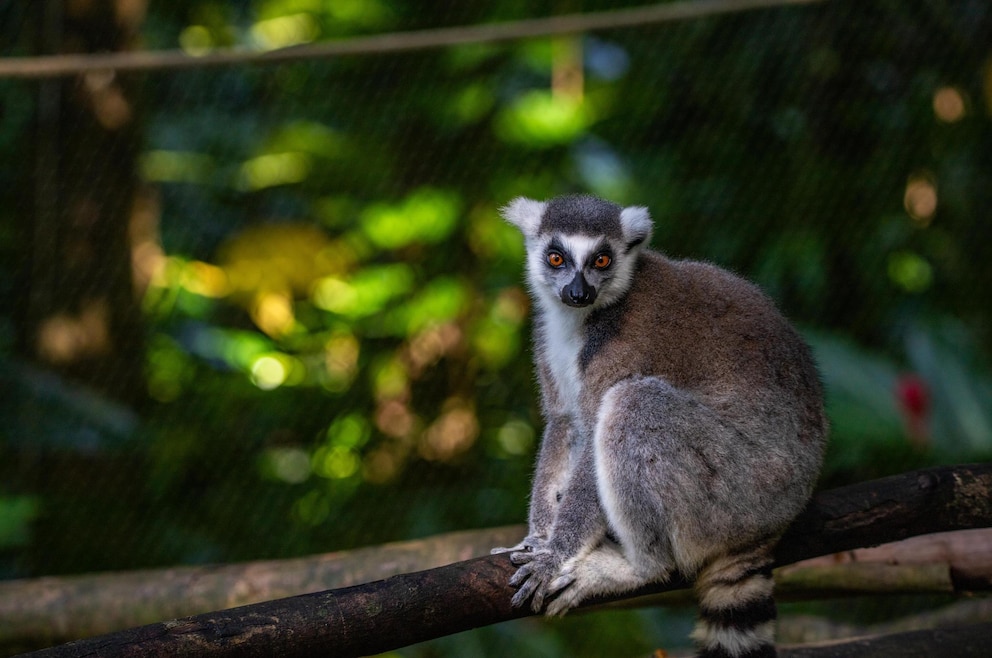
555,259
602,261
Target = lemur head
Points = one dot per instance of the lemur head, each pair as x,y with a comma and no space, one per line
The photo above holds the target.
581,250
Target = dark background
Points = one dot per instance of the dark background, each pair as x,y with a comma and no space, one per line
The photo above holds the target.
270,310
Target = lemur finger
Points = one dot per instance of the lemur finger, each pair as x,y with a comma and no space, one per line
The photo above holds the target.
522,574
537,602
522,557
524,593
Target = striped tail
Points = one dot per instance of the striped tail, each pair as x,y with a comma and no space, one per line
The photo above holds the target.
736,608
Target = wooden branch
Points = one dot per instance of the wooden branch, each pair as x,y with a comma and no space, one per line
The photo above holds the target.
45,611
963,642
60,609
804,629
889,509
402,610
967,555
41,612
65,65
852,579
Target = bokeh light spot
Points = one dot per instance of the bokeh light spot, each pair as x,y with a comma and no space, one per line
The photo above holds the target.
920,199
949,104
910,271
268,372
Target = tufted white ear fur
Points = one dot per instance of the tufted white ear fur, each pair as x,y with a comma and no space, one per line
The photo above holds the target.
525,214
635,222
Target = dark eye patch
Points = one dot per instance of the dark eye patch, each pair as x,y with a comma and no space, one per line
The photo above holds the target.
604,249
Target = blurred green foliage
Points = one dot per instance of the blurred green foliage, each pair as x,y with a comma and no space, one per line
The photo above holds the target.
337,326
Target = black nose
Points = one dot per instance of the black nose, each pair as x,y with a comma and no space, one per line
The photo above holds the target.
578,293
579,297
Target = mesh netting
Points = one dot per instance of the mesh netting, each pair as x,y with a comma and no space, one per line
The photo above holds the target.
270,309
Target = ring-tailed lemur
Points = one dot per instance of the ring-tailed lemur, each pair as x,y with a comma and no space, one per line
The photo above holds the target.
684,424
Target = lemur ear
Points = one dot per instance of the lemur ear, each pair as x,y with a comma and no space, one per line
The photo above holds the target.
525,214
635,222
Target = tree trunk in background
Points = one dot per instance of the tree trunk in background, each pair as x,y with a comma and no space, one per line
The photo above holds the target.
82,318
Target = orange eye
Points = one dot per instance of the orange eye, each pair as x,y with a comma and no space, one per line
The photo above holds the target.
555,259
602,261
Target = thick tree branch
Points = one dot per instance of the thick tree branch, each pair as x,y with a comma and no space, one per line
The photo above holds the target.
405,609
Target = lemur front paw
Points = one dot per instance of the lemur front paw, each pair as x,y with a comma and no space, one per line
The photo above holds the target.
538,578
527,544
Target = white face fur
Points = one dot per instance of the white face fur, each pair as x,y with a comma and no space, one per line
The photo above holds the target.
581,259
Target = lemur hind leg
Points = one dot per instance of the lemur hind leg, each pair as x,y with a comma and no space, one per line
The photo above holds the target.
655,450
665,466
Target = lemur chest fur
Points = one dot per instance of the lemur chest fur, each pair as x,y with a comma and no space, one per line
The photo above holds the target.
563,340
